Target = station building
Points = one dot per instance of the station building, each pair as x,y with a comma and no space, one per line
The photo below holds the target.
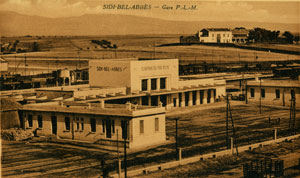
273,92
149,82
104,124
121,92
138,81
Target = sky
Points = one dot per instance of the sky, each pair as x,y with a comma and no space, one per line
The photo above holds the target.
220,10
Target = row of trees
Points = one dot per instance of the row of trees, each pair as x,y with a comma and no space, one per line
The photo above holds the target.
260,35
104,44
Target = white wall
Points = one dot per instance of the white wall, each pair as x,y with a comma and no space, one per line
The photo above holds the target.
150,136
270,96
154,69
129,73
212,37
113,73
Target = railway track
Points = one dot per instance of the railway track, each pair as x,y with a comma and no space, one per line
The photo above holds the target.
195,137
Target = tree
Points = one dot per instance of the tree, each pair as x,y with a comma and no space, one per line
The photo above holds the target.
35,46
115,47
297,38
289,37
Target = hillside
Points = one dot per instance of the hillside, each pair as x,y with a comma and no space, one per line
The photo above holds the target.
12,24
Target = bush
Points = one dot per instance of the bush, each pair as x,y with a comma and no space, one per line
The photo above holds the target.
16,134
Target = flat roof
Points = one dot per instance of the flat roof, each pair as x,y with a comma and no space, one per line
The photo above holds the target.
276,83
95,109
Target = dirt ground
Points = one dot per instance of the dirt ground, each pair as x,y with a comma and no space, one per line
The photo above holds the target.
201,129
231,166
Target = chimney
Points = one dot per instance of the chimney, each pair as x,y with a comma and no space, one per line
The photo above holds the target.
128,106
160,104
102,104
135,107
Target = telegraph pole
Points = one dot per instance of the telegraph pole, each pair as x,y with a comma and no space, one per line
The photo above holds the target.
292,122
125,154
176,136
227,113
260,96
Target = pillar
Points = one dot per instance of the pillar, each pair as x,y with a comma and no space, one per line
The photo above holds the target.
149,100
182,99
197,97
64,81
158,83
149,85
190,98
139,100
177,100
169,102
212,98
204,96
158,99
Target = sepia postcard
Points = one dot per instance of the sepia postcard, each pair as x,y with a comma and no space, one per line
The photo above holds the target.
149,88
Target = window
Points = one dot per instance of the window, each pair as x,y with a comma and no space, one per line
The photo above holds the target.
223,35
40,121
67,123
77,123
144,85
124,126
153,84
162,83
29,120
103,126
212,35
141,126
263,94
82,124
93,125
277,93
156,124
113,126
252,94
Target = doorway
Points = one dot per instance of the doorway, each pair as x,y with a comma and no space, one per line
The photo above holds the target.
54,124
108,128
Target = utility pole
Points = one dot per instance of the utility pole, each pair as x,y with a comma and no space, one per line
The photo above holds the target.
125,154
25,63
176,136
227,114
119,161
78,59
292,121
15,63
260,96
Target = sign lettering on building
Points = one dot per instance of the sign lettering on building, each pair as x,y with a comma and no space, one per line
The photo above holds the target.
107,69
148,68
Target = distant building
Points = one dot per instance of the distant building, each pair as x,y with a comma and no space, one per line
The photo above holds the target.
240,35
215,35
3,67
273,92
189,39
99,123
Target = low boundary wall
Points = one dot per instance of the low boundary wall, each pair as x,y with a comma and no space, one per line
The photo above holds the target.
197,158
